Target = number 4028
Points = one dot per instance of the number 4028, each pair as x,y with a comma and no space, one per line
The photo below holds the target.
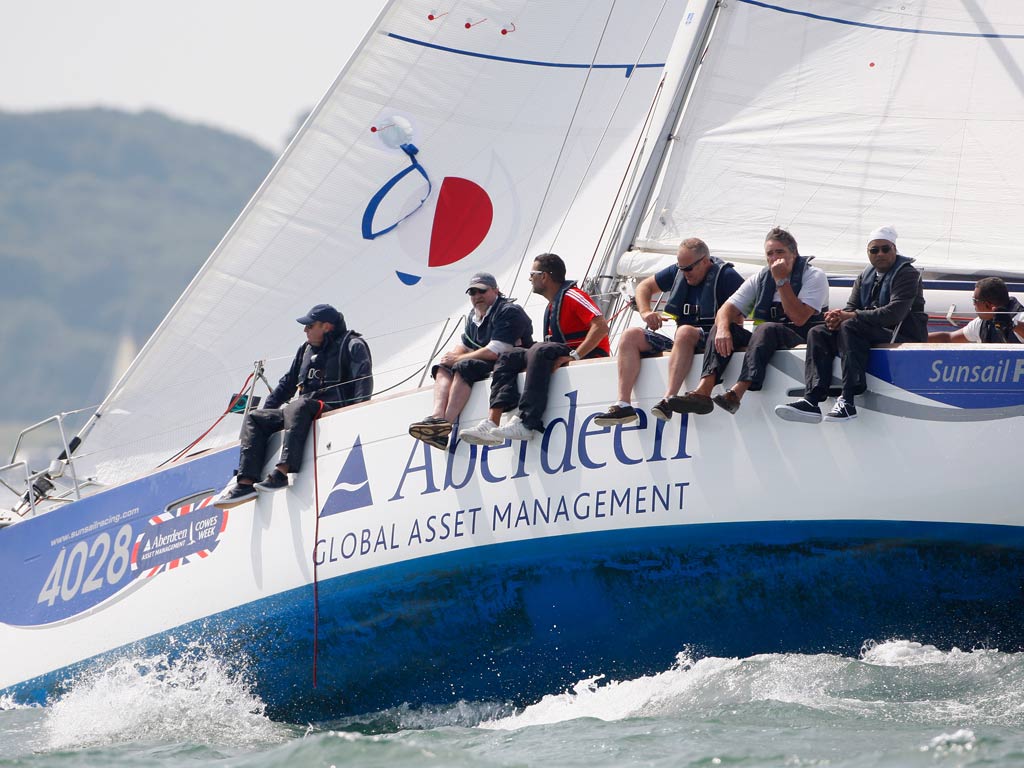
82,568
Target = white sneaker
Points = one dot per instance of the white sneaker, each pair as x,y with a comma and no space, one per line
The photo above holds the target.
481,434
515,430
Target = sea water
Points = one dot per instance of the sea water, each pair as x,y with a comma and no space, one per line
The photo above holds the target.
899,703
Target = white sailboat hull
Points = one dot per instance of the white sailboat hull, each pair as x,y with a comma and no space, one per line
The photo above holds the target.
514,571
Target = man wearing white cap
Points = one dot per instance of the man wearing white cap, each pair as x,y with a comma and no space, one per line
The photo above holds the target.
494,324
886,305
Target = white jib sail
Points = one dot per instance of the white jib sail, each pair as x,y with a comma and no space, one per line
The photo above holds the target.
832,118
523,116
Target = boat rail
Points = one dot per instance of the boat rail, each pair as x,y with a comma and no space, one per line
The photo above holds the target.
39,484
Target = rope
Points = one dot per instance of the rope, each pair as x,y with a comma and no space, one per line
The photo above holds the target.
316,538
220,418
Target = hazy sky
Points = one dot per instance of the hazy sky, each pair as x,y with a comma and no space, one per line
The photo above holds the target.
250,66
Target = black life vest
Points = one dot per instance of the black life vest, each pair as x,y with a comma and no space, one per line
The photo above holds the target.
999,330
766,310
867,283
702,314
323,372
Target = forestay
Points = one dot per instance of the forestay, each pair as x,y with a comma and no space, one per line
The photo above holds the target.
832,118
523,116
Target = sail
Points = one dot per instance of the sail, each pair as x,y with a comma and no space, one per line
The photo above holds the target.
467,138
833,118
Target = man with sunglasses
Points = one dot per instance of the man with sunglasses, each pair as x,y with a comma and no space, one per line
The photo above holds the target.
886,305
694,288
495,324
574,328
785,299
330,370
1000,317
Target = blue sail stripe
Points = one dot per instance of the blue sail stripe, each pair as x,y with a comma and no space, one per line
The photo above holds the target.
882,27
529,62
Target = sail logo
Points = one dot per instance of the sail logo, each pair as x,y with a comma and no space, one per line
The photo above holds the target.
352,488
187,531
462,215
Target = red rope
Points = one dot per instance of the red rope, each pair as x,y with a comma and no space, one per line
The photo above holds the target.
196,442
316,538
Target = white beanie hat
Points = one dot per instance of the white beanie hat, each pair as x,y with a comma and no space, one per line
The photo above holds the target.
887,232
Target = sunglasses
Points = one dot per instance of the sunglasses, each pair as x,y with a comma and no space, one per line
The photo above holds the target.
976,302
873,250
308,327
689,267
535,272
476,291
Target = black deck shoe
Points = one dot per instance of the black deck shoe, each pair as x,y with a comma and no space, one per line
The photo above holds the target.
616,414
662,410
275,481
431,428
691,402
235,495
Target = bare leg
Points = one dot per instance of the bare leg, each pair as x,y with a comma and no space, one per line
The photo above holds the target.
458,396
632,344
442,387
705,386
740,388
681,358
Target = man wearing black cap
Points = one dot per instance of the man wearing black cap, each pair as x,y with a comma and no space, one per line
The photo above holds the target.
495,324
332,369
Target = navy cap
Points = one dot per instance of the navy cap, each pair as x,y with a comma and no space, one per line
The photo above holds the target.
324,313
483,280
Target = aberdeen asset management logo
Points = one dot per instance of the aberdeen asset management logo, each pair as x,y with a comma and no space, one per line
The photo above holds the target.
352,488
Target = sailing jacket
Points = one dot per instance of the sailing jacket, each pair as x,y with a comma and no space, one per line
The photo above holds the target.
899,307
719,284
338,372
999,330
766,310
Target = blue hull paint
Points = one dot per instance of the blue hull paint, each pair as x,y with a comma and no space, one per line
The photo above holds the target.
516,621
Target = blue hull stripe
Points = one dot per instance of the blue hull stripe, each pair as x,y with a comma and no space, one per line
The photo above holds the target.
512,622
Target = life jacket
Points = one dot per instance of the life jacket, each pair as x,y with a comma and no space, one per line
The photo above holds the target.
766,310
999,330
867,283
552,330
476,336
702,314
328,378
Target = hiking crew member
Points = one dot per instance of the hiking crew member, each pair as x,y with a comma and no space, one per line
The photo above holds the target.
574,328
695,287
495,324
1000,317
332,369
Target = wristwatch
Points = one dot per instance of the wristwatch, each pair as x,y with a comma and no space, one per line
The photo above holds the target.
781,281
574,354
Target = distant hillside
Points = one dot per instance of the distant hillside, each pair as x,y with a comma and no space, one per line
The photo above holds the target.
105,216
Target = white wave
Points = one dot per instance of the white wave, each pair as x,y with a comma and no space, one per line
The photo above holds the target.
345,485
7,702
190,699
899,681
962,740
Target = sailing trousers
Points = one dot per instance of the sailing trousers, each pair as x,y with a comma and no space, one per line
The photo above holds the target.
538,362
852,343
766,339
295,418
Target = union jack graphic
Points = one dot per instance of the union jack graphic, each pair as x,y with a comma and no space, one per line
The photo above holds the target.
186,532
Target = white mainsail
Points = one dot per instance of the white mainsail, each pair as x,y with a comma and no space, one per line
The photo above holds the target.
832,118
523,116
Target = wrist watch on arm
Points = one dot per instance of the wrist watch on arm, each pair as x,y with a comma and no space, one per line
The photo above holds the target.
574,354
781,281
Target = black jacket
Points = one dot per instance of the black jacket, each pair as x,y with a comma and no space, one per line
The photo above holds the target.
904,308
339,372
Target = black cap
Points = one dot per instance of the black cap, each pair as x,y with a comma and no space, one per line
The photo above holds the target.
483,280
324,313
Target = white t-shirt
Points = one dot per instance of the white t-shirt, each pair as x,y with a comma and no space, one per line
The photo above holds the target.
972,331
813,292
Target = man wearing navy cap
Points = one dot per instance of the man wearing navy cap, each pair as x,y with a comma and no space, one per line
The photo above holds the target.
332,369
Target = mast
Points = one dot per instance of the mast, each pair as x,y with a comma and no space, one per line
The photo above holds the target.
681,69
